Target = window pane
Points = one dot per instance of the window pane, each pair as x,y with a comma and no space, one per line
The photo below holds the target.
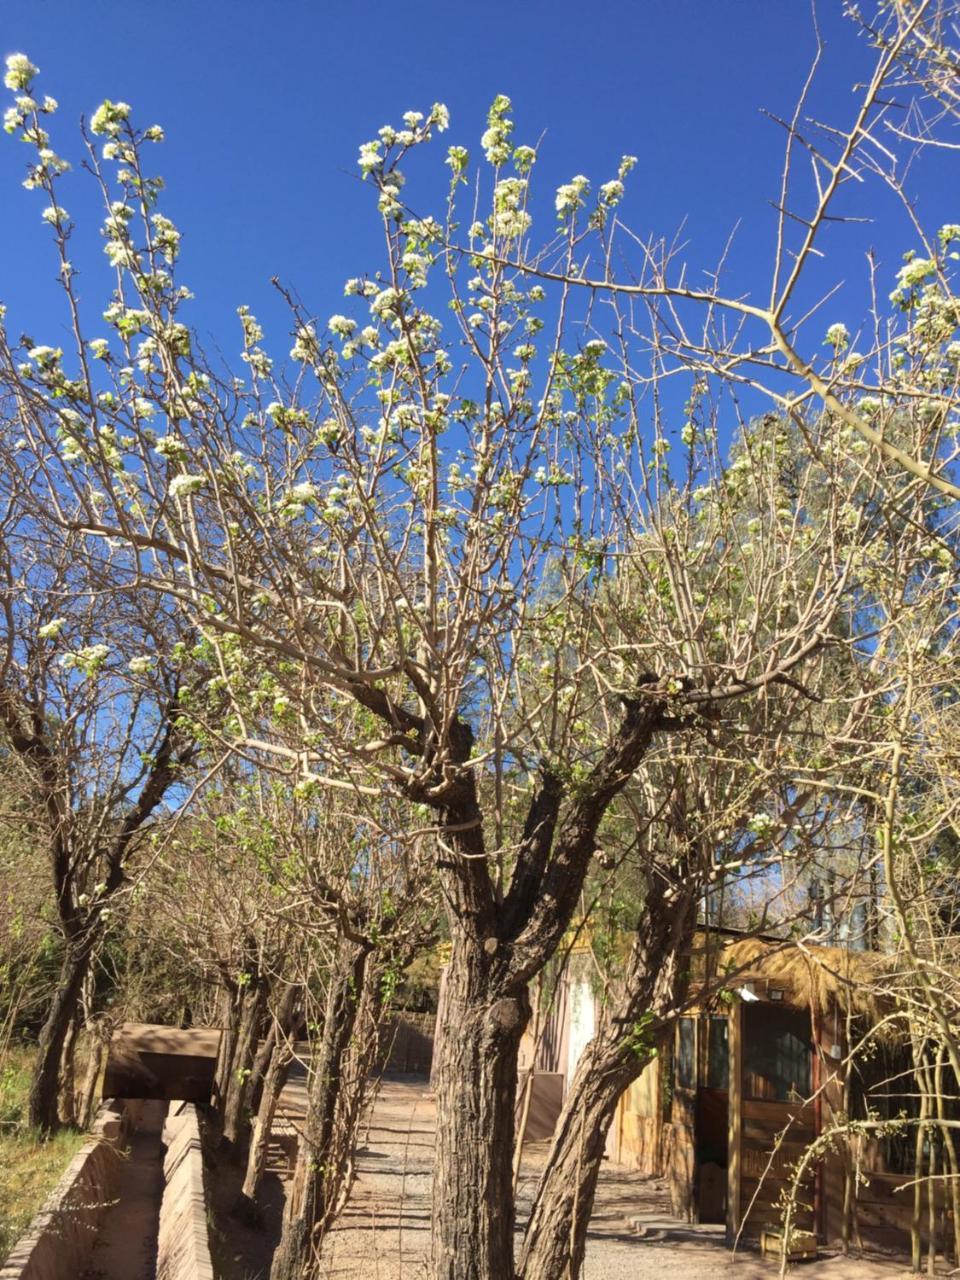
718,1056
776,1054
666,1084
686,1055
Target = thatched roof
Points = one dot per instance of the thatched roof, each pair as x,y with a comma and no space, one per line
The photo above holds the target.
827,979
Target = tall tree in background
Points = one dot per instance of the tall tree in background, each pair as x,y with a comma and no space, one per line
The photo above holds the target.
89,706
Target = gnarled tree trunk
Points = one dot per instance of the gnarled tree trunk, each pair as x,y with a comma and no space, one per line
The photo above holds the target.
500,943
43,1105
272,1086
236,1115
228,1016
316,1185
625,1042
556,1235
476,1084
281,1027
98,1034
68,1073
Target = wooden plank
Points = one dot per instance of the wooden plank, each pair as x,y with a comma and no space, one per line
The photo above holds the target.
765,1213
147,1037
779,1114
770,1221
640,1142
764,1135
769,1190
886,1188
802,1246
758,1160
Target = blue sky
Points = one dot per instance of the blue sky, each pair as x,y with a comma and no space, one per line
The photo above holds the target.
264,105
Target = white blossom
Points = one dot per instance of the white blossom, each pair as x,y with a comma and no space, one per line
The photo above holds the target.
20,71
370,156
50,630
611,193
88,660
305,347
385,302
837,336
170,447
571,194
496,139
343,326
304,492
109,117
183,485
45,356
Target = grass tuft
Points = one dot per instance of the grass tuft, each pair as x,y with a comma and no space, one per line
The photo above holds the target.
30,1167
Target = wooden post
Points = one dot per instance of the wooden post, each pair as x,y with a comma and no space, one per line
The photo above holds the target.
817,1082
735,1104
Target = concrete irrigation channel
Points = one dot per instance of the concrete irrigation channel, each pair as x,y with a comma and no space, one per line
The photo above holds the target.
130,1205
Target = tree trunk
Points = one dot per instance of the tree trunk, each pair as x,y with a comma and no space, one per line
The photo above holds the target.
262,1058
228,1016
236,1115
281,1027
473,1209
275,1079
316,1185
98,1047
45,1087
627,1039
68,1074
556,1235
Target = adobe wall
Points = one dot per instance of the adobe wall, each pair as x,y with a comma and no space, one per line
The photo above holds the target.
183,1247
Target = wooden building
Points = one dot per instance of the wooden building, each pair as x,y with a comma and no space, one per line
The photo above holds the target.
756,1074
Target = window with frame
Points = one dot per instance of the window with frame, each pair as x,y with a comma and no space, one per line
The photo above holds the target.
666,1082
776,1054
718,1053
687,1053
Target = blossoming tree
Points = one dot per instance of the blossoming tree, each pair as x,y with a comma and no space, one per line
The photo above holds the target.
396,553
89,706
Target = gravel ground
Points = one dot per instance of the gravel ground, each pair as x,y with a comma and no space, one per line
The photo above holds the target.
384,1232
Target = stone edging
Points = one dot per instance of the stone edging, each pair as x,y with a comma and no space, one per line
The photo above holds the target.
183,1247
58,1243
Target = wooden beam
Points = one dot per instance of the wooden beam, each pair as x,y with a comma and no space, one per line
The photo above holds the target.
735,1096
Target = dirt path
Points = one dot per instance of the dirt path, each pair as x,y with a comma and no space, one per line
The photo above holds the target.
384,1234
243,1250
126,1248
